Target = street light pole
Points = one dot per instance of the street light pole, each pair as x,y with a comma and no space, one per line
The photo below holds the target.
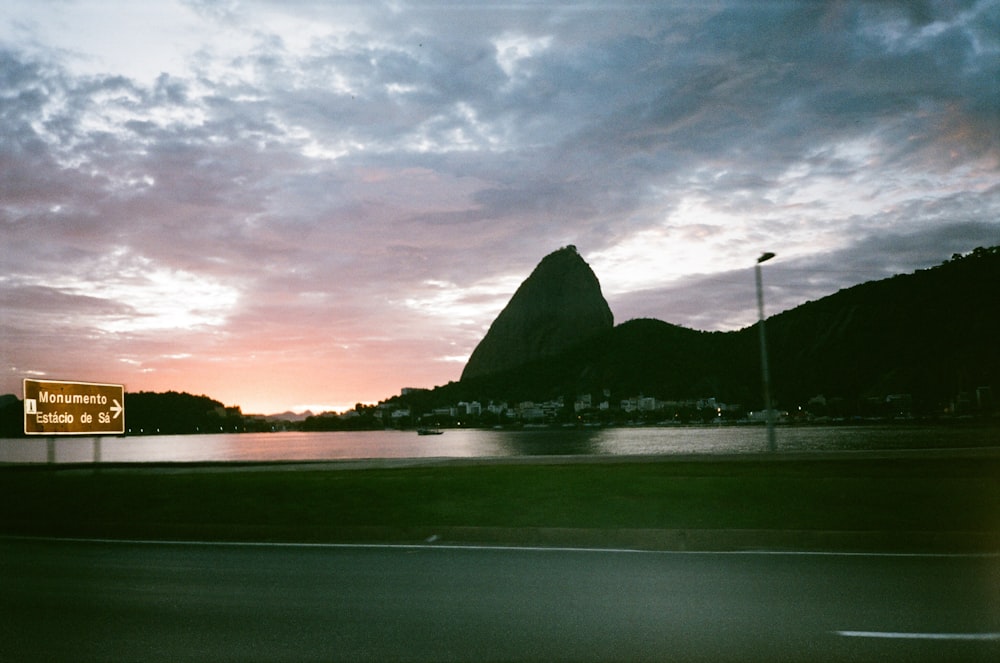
765,373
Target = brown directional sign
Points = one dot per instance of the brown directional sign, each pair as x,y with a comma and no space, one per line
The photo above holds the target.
53,407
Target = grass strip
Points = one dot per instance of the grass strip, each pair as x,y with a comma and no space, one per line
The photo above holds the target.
948,497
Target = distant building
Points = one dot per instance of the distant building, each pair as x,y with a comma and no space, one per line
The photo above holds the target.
531,412
898,405
473,408
707,404
646,404
496,408
984,399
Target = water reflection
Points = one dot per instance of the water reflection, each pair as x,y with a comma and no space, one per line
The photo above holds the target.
643,441
464,443
549,442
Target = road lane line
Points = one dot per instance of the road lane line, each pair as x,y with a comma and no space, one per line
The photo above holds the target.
895,635
498,547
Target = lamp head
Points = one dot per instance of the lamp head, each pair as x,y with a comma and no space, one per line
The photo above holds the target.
764,258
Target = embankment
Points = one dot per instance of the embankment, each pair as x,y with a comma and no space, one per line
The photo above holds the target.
927,501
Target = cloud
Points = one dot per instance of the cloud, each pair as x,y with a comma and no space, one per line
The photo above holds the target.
726,301
358,189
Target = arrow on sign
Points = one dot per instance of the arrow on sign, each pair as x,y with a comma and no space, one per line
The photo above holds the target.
116,408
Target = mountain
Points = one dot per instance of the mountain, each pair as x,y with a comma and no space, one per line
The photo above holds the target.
558,306
11,416
289,416
173,413
929,338
933,334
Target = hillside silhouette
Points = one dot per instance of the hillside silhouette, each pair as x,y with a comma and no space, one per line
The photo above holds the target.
924,343
557,307
151,413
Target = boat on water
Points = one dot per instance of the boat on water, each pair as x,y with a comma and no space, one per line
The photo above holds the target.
429,431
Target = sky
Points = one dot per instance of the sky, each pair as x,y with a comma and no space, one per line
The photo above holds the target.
295,204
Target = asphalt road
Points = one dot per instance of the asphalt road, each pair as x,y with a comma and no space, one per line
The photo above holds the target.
93,601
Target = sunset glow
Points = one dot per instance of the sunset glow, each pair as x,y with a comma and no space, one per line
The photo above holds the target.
302,205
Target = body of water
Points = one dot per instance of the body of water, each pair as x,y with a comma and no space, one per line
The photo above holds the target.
469,443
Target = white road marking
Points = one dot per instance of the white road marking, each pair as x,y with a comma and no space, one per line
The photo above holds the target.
498,547
893,635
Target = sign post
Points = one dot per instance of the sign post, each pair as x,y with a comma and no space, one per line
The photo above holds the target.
54,407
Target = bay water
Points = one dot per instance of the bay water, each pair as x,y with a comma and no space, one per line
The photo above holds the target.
478,443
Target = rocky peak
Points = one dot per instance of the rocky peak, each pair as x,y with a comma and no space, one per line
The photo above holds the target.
559,305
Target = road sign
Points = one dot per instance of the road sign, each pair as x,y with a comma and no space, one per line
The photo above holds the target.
54,407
